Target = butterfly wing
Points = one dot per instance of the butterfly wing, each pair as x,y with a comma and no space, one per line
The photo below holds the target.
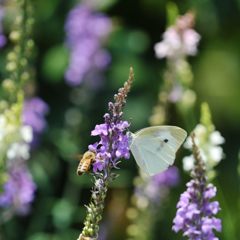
154,148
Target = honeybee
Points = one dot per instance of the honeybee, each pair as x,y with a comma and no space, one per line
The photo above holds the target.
85,163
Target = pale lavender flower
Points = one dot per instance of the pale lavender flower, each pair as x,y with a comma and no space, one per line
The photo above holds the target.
196,212
18,191
34,112
179,40
85,32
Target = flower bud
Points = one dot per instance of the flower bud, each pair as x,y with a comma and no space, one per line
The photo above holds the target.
8,85
11,56
11,66
15,36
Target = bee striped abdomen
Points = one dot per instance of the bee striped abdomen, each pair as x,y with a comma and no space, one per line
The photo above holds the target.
83,167
85,163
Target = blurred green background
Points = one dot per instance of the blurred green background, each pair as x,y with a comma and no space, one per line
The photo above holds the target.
58,210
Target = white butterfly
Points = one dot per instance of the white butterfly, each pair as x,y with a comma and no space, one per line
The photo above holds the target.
154,148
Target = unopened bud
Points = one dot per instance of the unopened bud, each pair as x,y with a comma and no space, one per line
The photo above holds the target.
25,76
19,19
3,105
11,66
23,62
11,56
30,44
15,36
8,85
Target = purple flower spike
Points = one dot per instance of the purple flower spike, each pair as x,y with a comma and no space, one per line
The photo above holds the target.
196,212
113,132
85,32
112,146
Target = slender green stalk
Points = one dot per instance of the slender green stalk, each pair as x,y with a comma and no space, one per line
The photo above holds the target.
18,72
95,208
18,60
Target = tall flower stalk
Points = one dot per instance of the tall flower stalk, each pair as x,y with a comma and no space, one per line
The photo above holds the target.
113,145
15,135
196,212
179,41
18,72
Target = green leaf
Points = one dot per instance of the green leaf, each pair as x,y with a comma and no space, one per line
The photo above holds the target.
172,13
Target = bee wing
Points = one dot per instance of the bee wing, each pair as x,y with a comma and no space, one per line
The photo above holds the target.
77,157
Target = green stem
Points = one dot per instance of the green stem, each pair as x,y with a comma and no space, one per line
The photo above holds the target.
23,41
95,209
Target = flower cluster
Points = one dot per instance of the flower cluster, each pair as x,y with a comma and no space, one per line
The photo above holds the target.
195,217
179,40
208,140
86,30
113,145
18,191
196,212
114,138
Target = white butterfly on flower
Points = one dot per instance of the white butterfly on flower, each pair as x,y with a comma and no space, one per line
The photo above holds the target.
154,148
